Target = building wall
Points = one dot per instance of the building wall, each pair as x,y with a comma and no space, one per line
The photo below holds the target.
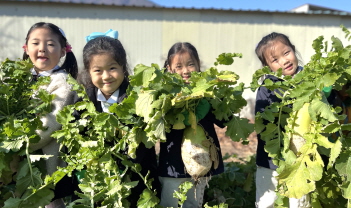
148,33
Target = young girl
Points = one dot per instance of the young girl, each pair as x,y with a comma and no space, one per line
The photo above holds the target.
183,59
275,51
105,77
45,45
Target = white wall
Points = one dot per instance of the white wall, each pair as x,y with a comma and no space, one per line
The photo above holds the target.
148,33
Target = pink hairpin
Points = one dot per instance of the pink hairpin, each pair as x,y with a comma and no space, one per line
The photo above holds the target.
68,48
24,47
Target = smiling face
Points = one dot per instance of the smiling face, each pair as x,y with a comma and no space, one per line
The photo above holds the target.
279,55
106,74
183,64
44,49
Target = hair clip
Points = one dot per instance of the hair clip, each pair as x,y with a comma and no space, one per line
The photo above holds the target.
110,33
63,33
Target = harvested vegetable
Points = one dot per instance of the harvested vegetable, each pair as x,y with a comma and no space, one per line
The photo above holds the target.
197,151
301,126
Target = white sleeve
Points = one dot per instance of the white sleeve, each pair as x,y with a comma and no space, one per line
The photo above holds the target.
63,96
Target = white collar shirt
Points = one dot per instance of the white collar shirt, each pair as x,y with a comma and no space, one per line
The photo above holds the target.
44,73
105,104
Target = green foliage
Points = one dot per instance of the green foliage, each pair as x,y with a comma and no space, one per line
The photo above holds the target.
161,99
183,190
346,31
319,167
16,92
97,143
155,104
227,58
148,199
221,205
235,187
22,177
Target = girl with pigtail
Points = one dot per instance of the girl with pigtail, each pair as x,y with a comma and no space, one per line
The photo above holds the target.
46,44
183,59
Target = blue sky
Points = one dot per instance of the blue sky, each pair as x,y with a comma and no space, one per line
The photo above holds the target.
267,5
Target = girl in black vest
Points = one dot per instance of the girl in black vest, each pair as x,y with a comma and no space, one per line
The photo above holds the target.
105,77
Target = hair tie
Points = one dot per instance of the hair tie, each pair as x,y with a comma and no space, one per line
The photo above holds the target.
110,33
68,47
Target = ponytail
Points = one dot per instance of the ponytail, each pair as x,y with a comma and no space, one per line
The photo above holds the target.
25,56
70,64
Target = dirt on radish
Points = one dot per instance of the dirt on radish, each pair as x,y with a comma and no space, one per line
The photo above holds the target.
198,152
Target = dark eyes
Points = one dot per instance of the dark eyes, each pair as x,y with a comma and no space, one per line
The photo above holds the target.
99,70
180,66
49,44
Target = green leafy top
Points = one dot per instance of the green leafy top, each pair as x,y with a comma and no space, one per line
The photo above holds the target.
23,102
16,91
96,141
160,98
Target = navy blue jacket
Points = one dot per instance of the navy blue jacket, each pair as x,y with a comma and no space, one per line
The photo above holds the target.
264,98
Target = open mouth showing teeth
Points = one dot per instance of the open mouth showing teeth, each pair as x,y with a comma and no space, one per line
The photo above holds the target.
288,67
